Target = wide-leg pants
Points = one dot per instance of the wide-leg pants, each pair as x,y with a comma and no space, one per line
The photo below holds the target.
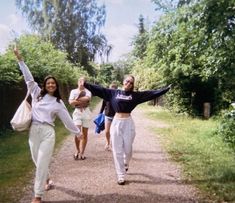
41,142
122,136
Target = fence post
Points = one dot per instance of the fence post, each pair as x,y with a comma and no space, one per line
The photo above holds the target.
206,110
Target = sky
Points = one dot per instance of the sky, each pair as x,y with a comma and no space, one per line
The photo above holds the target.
120,27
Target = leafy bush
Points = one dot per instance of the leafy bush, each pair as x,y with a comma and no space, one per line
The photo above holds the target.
43,59
9,74
226,128
192,49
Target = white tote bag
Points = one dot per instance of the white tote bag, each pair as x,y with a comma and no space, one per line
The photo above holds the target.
23,116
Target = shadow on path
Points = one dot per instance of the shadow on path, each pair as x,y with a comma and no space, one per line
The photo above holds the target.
149,197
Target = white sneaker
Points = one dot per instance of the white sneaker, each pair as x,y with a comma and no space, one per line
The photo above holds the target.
49,185
121,181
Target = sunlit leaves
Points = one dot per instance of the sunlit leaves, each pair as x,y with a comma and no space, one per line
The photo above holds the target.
42,58
194,48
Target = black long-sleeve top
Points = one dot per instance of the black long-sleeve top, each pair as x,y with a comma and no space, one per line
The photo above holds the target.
124,101
107,108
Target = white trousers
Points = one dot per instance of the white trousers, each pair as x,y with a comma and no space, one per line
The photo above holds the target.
41,142
122,136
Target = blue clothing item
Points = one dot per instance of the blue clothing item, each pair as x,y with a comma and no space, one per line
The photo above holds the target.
99,122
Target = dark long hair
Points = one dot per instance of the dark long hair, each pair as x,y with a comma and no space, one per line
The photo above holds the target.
44,91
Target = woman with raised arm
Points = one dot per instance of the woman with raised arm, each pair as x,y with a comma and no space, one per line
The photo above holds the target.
122,128
46,106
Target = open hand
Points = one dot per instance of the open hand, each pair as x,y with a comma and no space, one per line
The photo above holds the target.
16,51
17,54
170,85
80,136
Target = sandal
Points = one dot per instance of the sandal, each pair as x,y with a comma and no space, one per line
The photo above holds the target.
76,156
49,185
82,157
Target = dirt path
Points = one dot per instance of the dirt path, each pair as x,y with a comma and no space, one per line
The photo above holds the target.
151,178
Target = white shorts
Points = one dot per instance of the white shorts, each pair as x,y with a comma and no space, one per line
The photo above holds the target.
82,117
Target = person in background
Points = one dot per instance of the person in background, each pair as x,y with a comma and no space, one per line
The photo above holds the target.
122,128
46,106
109,114
80,99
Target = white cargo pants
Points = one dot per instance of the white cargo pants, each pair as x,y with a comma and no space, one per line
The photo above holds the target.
41,142
122,136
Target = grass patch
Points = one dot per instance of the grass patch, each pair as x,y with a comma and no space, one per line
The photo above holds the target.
207,161
16,166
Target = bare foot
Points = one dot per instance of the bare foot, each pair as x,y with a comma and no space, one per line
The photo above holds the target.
37,200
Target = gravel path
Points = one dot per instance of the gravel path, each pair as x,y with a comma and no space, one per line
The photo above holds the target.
151,178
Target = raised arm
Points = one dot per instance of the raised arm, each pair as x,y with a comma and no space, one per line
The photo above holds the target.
28,77
17,54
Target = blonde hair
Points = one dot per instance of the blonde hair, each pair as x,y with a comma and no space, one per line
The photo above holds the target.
133,78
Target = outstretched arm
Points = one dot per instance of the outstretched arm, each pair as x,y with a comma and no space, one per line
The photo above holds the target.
99,91
65,117
152,94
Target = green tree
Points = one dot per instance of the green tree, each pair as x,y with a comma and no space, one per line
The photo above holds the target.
9,75
146,78
140,40
105,74
123,67
193,48
73,26
43,59
170,5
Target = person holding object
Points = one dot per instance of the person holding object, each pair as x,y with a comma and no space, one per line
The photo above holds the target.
80,99
46,106
109,114
122,128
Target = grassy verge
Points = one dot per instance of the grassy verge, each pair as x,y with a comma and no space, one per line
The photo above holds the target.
206,160
16,166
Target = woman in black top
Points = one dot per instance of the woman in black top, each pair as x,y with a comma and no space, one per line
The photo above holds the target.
122,129
109,114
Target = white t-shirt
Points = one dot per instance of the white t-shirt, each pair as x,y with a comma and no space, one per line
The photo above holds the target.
74,94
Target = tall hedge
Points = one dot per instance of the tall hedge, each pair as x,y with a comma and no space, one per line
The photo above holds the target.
42,59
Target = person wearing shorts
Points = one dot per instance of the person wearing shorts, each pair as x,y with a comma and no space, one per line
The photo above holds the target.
109,114
80,99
